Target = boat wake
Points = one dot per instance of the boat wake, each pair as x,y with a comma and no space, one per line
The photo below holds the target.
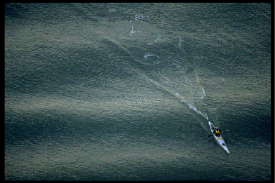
173,74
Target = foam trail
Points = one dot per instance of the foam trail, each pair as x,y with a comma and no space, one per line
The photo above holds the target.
132,31
197,111
203,92
113,42
178,96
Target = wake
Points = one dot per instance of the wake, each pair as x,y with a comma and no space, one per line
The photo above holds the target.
187,89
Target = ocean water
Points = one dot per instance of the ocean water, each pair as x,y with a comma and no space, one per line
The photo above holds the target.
124,91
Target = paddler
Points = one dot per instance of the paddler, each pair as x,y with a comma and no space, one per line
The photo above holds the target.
217,132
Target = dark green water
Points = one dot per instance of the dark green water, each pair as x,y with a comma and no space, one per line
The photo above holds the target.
125,91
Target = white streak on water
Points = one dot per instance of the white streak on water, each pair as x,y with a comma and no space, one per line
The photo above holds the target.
132,31
203,92
197,111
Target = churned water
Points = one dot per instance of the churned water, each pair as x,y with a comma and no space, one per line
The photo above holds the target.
125,91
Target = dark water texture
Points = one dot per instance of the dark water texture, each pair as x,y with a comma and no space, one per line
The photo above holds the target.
124,91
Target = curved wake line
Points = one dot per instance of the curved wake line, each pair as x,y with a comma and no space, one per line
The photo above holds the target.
178,96
136,70
203,93
199,112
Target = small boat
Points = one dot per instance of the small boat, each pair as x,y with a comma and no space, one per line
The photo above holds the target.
219,139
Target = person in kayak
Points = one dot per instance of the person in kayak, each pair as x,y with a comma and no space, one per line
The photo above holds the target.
217,132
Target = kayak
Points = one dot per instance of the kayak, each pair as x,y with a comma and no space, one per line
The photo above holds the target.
219,139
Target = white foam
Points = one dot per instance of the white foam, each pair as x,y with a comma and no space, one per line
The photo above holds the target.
132,31
149,55
197,111
203,92
141,17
